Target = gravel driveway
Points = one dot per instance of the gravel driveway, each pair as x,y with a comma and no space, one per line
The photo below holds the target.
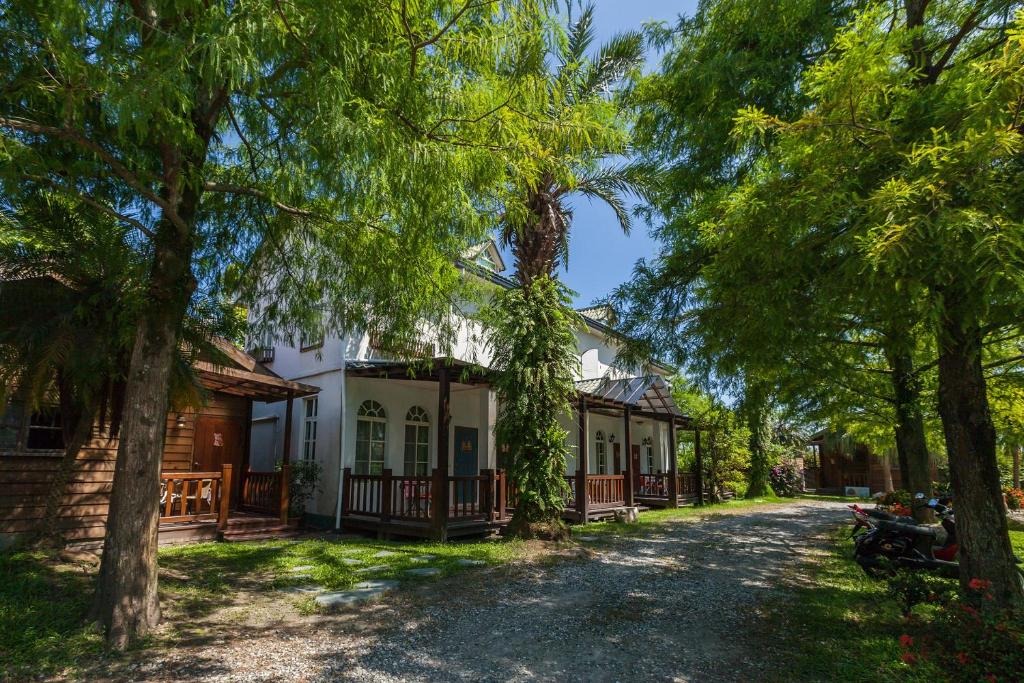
679,603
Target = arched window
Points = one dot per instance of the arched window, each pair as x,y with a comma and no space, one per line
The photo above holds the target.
417,442
648,447
600,453
371,438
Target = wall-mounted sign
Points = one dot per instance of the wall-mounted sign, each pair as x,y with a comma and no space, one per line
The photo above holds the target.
218,439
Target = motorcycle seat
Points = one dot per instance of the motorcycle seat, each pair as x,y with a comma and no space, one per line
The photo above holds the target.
910,529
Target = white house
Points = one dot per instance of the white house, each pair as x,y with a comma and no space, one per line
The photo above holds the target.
371,420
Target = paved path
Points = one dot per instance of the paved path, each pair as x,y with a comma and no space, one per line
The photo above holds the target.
676,604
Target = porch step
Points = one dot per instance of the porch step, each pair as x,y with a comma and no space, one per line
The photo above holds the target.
258,527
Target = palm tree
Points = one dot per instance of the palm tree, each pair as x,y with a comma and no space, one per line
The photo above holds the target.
582,138
70,287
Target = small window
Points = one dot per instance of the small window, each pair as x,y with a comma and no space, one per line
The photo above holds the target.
648,447
309,341
417,442
371,438
12,419
310,408
45,432
600,453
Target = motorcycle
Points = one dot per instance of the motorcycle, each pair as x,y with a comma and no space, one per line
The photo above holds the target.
885,543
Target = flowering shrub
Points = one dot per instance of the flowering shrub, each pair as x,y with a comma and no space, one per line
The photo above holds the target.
786,479
969,640
898,497
1014,498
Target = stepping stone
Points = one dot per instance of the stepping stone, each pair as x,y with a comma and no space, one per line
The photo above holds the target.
586,538
304,575
303,568
303,590
466,562
350,561
423,571
423,558
363,591
373,569
385,553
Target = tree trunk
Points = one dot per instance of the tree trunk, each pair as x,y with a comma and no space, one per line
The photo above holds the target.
886,474
760,437
1016,466
911,446
985,550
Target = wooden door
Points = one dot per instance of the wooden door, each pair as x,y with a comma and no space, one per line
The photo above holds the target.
218,441
617,455
466,462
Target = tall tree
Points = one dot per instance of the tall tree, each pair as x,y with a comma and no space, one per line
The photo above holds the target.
905,173
239,131
581,133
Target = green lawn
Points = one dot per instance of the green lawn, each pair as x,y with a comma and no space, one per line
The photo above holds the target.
44,602
841,625
654,518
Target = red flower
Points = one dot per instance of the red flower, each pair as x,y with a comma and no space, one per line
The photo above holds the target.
979,584
962,657
991,678
970,610
908,658
906,641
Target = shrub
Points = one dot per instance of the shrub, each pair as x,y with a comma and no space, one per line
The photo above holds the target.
898,497
786,479
303,482
1014,498
970,640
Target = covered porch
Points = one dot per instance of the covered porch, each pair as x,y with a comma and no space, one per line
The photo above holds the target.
208,490
600,496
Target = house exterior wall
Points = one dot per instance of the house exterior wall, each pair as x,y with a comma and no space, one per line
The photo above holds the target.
25,477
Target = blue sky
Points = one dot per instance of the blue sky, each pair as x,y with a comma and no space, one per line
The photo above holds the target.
600,256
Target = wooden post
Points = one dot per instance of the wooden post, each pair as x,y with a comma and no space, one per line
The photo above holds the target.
286,459
698,475
443,421
628,438
385,496
582,503
490,497
673,465
346,492
236,493
502,492
225,496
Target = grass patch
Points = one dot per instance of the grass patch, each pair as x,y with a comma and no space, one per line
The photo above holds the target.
651,519
43,605
841,625
44,602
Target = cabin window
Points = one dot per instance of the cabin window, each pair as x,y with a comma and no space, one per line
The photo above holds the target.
371,438
648,447
417,442
310,408
44,431
600,451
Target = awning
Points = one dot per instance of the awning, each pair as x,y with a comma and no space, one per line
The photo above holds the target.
648,394
459,371
260,386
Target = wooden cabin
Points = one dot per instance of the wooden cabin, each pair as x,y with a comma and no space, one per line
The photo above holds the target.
834,463
207,488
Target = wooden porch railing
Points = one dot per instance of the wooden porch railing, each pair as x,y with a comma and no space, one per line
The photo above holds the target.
389,497
195,496
261,492
606,489
655,485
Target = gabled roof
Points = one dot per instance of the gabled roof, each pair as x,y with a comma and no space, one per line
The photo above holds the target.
647,394
487,249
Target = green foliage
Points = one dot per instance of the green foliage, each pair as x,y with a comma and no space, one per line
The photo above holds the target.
786,480
531,336
303,483
725,440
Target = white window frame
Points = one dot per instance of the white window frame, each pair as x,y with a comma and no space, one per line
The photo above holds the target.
370,413
600,452
419,420
310,410
648,446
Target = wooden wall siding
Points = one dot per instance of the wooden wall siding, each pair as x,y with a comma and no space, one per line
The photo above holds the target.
24,479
